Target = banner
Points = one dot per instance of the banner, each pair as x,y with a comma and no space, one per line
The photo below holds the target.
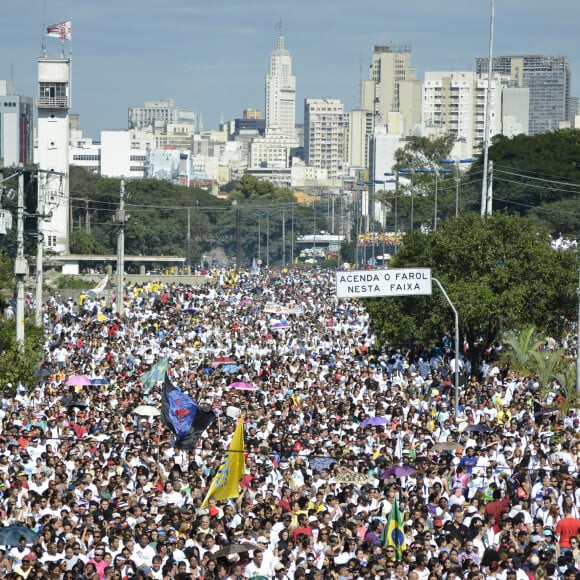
226,483
183,416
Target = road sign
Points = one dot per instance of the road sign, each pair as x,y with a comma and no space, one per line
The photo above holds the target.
391,282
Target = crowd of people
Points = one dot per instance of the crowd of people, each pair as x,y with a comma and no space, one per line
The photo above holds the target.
337,429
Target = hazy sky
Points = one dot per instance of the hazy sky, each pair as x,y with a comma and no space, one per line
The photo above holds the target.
212,55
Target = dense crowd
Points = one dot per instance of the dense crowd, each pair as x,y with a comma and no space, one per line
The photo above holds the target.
100,492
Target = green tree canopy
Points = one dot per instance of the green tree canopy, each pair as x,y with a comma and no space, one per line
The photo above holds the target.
500,273
534,176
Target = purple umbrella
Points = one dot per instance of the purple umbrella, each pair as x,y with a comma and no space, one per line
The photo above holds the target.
374,421
241,386
398,471
78,381
246,301
279,325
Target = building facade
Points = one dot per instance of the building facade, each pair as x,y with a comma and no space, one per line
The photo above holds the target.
53,104
548,80
16,126
392,86
281,91
455,102
324,135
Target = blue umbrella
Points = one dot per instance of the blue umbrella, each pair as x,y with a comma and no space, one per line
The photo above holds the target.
374,421
320,463
10,535
99,381
230,369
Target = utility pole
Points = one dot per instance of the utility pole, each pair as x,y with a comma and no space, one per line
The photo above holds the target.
121,218
20,264
284,237
189,240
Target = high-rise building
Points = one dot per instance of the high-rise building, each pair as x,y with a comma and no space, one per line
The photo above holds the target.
455,102
281,91
16,126
547,78
360,130
324,137
392,86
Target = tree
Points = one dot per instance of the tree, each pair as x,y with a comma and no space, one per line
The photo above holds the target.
535,176
19,363
518,346
499,272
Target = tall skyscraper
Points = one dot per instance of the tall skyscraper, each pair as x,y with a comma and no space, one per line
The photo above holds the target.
392,86
281,91
547,78
324,137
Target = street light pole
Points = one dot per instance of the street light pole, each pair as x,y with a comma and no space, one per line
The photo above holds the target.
456,370
485,191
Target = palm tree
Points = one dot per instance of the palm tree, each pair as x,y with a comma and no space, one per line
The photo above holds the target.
518,347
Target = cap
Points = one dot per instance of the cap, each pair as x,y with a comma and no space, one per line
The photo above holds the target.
262,540
536,538
29,557
279,566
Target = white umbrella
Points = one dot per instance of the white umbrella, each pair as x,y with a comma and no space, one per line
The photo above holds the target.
147,411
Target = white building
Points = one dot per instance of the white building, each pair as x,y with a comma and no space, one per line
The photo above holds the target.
455,102
52,151
324,135
281,91
274,149
515,111
360,129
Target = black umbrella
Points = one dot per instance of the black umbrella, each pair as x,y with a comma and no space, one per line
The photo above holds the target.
10,535
70,402
43,372
479,428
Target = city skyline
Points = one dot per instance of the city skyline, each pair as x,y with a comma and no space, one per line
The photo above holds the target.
214,59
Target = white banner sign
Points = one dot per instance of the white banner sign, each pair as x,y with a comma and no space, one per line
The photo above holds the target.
391,282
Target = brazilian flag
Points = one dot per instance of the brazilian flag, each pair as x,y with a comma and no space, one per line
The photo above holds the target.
394,531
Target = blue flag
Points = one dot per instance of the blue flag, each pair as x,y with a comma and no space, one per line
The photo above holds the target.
183,416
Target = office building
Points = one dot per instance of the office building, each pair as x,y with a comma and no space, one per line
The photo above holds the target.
392,86
281,91
16,126
324,135
548,80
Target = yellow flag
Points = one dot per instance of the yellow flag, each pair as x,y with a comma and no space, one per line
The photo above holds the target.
225,484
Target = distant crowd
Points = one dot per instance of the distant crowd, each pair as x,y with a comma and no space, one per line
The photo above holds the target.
336,427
